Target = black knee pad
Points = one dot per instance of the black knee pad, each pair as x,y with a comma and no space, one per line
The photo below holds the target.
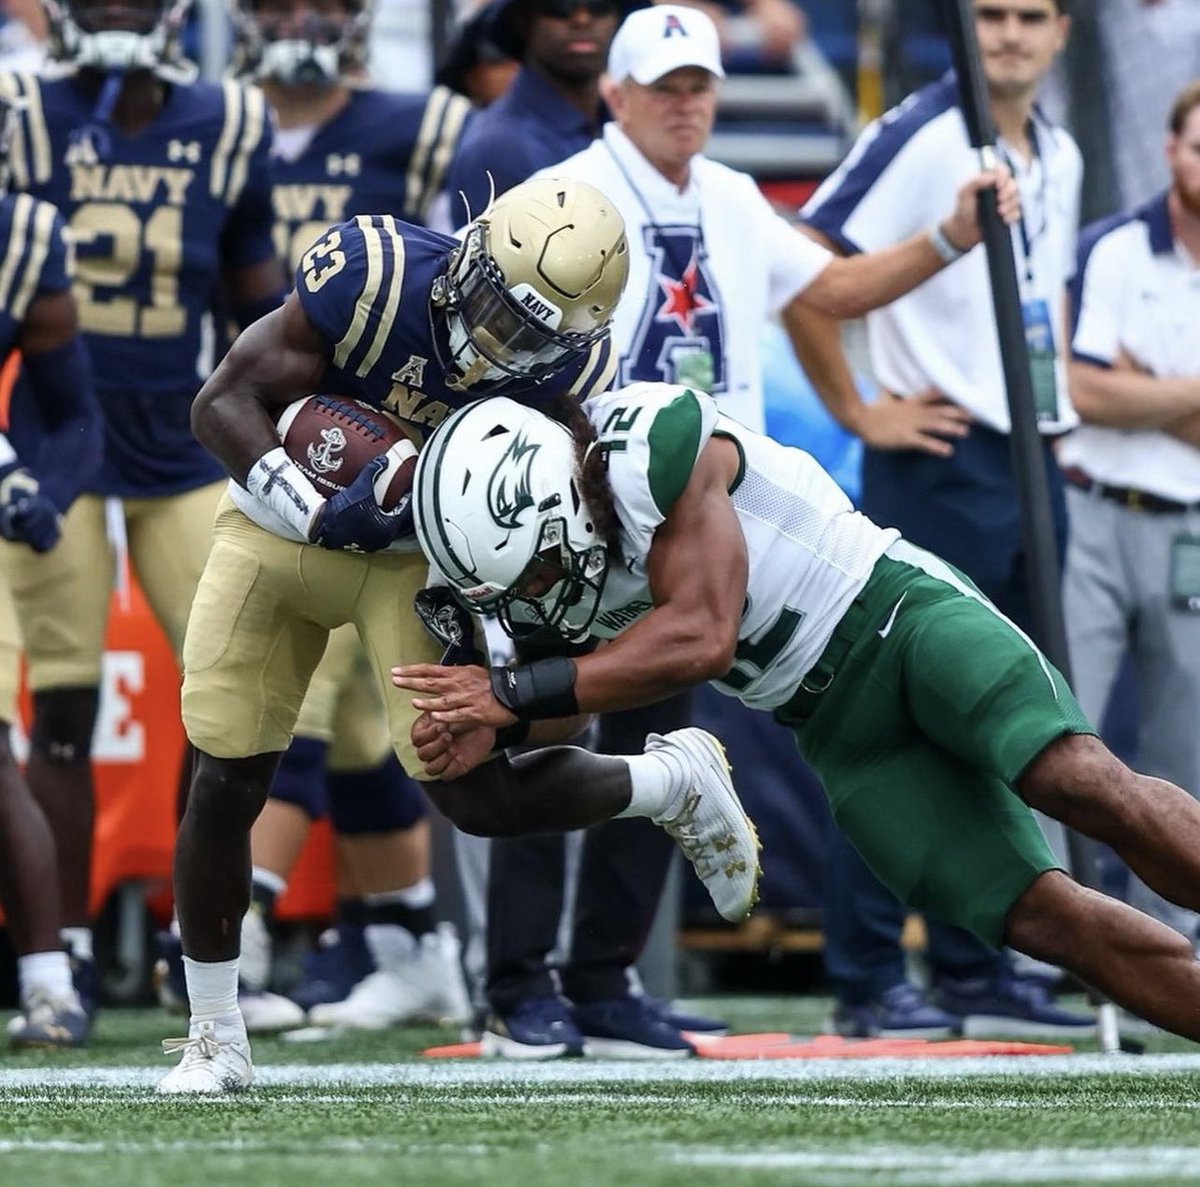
381,800
64,720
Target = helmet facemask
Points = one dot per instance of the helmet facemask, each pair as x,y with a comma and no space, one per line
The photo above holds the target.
313,49
497,332
117,38
560,588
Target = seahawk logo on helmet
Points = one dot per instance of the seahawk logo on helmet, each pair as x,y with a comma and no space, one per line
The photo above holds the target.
499,512
508,487
536,281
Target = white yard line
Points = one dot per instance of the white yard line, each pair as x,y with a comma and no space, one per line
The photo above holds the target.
540,1076
936,1166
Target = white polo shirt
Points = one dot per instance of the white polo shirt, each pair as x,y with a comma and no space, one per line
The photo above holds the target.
1137,291
707,267
899,179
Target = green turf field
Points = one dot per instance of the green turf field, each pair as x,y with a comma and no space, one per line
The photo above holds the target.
366,1110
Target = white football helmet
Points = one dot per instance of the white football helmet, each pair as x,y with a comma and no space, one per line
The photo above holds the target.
536,280
499,511
300,47
120,36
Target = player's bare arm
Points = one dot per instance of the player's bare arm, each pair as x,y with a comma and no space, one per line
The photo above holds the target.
51,321
278,359
854,285
697,570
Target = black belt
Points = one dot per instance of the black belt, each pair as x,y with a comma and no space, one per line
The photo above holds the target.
1134,500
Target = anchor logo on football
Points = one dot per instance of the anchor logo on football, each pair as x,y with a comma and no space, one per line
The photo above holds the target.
324,458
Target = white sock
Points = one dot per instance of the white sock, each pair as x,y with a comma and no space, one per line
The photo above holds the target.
78,941
212,988
657,778
48,971
420,894
273,882
391,945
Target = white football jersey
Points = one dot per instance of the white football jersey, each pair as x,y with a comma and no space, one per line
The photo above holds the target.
810,552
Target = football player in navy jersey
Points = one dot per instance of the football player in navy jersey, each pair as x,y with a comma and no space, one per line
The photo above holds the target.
163,184
408,320
51,449
344,149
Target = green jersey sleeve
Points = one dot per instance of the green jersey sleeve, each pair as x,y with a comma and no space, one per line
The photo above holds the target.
651,434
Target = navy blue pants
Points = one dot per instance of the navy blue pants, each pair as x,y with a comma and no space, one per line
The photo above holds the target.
964,508
623,868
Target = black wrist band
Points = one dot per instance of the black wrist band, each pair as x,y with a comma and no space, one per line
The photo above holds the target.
544,688
508,736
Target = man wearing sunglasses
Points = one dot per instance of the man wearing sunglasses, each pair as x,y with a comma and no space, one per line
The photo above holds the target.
937,459
551,110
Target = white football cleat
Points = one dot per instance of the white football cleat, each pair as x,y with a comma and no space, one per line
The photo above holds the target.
216,1059
708,823
266,1013
427,986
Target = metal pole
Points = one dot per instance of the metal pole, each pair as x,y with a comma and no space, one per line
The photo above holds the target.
1028,455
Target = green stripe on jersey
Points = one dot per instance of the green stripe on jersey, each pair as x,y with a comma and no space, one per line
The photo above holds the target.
674,439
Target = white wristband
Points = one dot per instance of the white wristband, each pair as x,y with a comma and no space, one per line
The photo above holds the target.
285,488
946,251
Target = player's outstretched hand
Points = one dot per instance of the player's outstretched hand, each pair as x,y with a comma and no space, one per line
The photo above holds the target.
26,515
962,227
353,519
449,756
926,421
458,699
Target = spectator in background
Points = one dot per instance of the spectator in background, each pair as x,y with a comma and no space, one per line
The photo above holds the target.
23,35
757,36
937,459
1132,579
473,65
552,108
1151,50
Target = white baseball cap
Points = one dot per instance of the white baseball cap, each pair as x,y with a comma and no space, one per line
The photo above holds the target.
654,41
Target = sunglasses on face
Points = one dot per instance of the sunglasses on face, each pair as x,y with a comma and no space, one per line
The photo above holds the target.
1031,18
565,9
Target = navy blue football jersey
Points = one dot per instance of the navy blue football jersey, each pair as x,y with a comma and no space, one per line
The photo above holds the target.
156,219
383,153
365,287
35,260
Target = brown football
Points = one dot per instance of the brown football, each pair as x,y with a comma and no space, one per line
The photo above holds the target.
331,438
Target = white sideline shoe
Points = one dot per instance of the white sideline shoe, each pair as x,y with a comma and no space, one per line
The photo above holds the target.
265,1012
254,956
708,822
428,986
216,1059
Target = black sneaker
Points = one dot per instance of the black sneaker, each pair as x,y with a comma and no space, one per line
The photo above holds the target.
1009,1005
901,1012
536,1028
628,1027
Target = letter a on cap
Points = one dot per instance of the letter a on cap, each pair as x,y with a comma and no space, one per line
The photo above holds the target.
673,25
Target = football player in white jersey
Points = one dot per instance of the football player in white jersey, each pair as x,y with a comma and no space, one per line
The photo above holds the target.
704,551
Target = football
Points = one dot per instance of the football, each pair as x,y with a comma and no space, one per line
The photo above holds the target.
331,438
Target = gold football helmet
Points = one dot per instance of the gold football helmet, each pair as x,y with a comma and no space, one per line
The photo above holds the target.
536,281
